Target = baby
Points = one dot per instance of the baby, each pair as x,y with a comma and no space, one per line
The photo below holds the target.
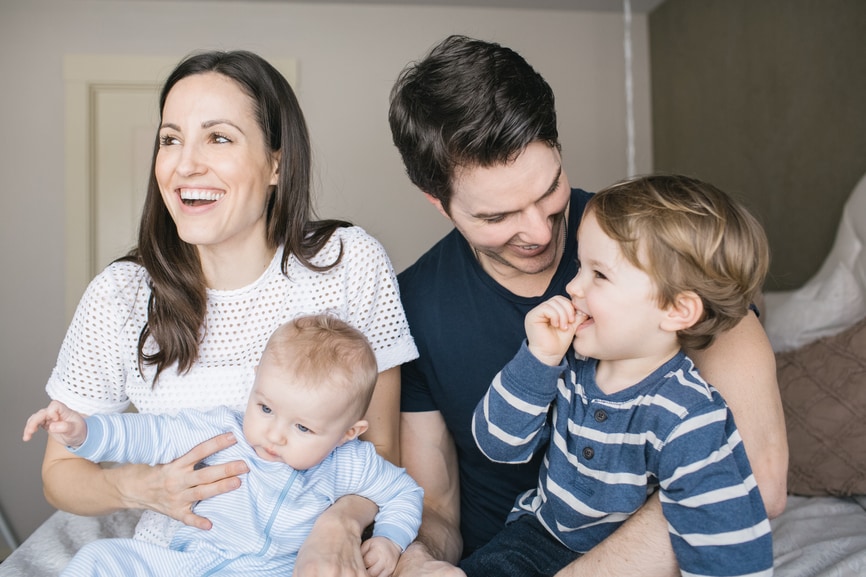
299,436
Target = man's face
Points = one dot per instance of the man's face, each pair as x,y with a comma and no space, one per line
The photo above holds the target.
513,214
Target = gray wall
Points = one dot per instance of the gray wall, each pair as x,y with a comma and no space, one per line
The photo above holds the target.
767,100
348,57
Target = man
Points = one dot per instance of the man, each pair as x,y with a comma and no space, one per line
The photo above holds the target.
476,128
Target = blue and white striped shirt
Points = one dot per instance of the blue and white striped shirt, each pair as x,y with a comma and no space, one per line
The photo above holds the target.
263,524
605,454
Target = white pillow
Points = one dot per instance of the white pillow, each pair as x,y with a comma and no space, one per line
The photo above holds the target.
795,318
835,297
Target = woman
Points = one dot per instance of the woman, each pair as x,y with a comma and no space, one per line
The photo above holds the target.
227,252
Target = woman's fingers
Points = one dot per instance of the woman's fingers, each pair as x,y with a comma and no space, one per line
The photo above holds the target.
186,481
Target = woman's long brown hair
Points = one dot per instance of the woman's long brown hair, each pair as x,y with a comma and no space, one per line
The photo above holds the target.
178,300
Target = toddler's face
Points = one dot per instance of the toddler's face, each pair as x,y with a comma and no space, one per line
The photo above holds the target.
618,298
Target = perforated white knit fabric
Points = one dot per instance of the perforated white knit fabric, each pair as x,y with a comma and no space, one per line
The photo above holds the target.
97,368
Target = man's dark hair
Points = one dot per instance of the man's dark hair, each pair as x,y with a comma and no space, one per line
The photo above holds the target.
467,104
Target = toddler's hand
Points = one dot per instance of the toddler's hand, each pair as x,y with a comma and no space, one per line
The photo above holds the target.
62,423
550,329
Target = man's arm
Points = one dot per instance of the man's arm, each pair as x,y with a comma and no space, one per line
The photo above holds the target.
741,365
430,457
641,547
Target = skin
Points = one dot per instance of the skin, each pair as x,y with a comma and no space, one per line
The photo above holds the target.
212,149
740,363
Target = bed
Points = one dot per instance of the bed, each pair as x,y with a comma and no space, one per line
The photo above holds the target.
819,335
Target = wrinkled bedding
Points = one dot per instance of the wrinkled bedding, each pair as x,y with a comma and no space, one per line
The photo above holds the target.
821,537
814,537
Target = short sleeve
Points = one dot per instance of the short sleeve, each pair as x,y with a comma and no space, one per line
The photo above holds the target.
374,305
93,364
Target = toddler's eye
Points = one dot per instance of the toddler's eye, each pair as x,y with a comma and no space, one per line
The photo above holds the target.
302,428
266,409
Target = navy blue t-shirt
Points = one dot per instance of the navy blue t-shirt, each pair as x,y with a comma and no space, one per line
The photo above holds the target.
467,327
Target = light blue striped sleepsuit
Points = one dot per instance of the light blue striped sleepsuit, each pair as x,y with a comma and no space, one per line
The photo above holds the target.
258,528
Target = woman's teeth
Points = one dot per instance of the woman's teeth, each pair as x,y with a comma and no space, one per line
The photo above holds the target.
192,196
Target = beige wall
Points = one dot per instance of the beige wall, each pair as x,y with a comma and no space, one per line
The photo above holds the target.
767,100
348,57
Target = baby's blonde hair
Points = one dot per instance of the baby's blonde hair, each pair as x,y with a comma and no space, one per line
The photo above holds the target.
688,235
322,350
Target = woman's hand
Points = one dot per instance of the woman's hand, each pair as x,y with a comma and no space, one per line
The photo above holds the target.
333,547
174,488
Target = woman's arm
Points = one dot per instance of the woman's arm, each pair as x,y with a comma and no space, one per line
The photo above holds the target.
78,486
384,416
333,547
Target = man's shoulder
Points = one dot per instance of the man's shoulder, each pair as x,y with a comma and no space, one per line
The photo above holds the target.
446,253
579,197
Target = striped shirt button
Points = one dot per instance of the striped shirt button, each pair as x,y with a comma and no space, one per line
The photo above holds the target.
600,416
588,453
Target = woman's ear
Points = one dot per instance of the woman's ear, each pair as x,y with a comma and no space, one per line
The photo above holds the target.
275,174
686,310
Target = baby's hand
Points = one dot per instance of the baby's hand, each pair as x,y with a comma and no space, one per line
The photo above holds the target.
380,556
550,329
62,423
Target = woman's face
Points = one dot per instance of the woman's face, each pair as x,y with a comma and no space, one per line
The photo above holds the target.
213,167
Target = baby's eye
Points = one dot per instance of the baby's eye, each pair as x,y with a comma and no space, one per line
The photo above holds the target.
302,428
266,409
600,275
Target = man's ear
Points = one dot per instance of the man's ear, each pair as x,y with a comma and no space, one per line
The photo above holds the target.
686,310
355,431
438,204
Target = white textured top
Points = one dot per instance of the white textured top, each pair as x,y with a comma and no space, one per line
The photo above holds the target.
97,368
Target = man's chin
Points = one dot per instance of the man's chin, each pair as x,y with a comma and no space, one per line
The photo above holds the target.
534,265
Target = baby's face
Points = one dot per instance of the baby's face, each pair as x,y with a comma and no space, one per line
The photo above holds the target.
292,423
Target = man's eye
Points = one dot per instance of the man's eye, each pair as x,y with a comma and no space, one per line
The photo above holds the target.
494,219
